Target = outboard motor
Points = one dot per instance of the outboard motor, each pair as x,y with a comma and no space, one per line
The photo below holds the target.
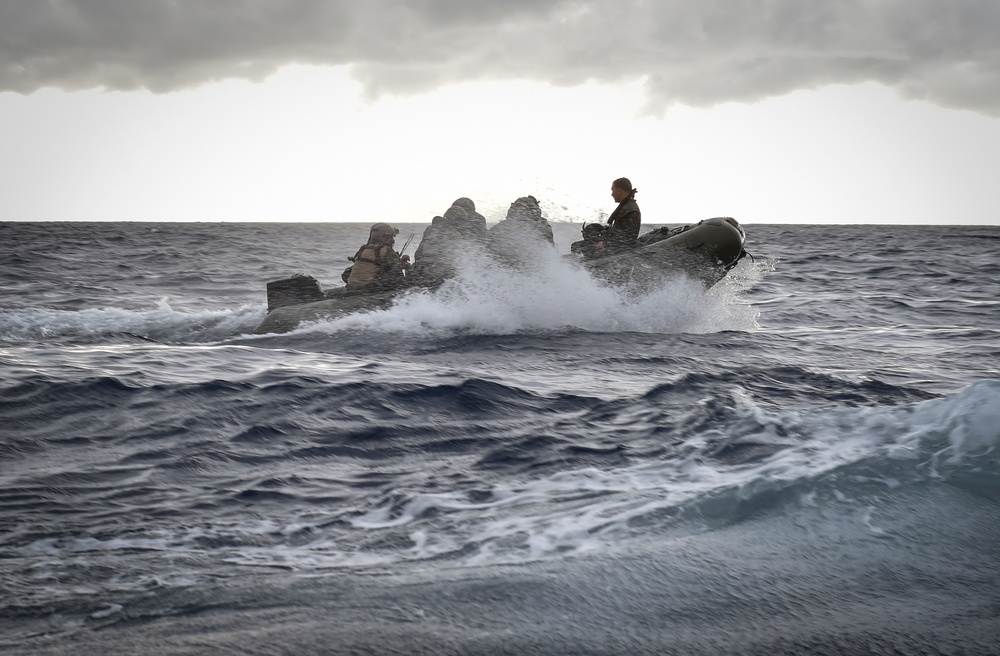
293,291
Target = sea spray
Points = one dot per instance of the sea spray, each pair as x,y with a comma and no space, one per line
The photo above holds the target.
555,293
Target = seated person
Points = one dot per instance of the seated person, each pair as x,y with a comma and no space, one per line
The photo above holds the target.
515,239
476,224
376,265
446,239
623,224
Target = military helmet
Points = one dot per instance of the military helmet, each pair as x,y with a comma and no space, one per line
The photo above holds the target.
382,233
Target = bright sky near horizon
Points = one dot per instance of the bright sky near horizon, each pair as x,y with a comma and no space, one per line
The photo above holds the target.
771,111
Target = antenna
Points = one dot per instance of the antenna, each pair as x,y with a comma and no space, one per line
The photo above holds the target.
406,243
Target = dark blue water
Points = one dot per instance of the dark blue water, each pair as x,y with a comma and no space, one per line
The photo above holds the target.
801,460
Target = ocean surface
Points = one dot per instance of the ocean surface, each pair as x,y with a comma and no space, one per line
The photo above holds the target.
801,460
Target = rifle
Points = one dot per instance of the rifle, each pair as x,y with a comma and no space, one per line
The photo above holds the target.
403,249
406,244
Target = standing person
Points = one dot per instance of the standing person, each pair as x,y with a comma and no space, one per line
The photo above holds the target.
376,265
623,224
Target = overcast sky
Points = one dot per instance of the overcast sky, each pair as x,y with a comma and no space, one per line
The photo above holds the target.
766,110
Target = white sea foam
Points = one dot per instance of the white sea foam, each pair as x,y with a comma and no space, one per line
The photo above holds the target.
583,509
108,611
162,323
970,420
558,294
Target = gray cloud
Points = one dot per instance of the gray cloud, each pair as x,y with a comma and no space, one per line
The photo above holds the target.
698,53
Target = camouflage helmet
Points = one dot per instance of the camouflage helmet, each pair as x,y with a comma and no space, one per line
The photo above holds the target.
382,233
525,208
466,204
455,215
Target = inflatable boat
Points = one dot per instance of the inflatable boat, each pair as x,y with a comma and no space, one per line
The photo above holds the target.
704,251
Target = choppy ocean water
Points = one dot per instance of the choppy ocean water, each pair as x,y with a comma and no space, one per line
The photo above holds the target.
801,460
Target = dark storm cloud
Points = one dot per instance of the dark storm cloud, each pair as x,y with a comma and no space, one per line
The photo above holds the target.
701,53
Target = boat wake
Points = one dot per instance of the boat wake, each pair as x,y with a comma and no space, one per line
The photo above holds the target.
162,323
483,299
